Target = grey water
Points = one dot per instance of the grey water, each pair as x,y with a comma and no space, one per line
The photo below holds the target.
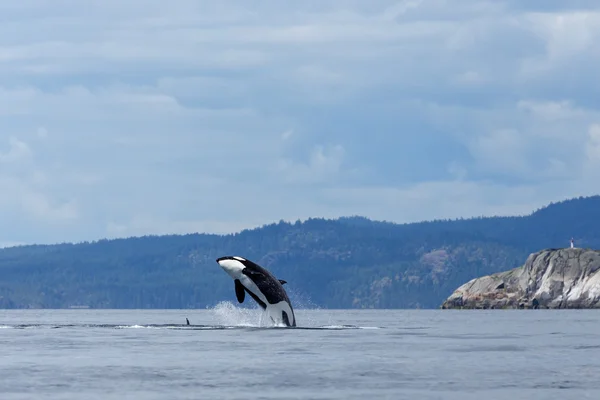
229,353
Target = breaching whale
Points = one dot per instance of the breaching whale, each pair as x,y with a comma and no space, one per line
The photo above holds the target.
262,286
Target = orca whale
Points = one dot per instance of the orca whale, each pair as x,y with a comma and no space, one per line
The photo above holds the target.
262,286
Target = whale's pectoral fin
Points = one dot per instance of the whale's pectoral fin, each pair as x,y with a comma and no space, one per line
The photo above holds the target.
282,281
239,291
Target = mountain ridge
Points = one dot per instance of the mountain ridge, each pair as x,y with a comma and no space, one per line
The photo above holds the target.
342,219
348,262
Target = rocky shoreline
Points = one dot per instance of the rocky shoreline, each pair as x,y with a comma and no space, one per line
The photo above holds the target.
551,278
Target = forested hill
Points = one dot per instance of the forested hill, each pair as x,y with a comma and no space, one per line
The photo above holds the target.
345,263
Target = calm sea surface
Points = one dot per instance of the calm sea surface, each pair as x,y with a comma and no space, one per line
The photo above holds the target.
226,354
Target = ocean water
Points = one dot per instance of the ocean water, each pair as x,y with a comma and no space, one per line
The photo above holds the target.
228,353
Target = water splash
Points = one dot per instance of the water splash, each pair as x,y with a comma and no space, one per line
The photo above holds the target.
227,314
301,300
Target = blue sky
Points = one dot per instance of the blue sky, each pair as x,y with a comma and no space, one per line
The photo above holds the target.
154,117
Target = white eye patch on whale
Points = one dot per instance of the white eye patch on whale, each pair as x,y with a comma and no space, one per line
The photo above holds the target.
261,285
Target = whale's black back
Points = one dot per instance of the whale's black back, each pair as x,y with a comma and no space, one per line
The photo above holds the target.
266,282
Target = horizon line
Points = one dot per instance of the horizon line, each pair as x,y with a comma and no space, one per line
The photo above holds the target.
290,222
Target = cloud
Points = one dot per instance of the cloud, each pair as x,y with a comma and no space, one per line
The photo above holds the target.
134,118
323,165
23,185
593,145
18,153
501,151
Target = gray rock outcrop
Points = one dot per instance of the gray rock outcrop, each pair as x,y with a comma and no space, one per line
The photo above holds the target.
552,278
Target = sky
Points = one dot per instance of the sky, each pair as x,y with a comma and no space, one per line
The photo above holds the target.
145,117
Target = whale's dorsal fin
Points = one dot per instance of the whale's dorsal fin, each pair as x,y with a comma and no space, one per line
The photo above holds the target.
239,291
282,281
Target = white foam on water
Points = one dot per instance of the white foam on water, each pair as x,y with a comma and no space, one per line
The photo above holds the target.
348,327
227,314
137,327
